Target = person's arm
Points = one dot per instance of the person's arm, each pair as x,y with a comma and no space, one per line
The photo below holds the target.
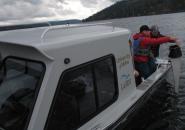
157,41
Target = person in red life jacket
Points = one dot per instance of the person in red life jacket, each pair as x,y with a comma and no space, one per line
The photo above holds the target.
136,73
143,57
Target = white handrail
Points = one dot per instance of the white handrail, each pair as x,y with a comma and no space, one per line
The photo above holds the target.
71,26
45,31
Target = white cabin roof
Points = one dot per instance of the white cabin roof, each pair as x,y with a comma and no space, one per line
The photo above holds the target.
52,38
43,36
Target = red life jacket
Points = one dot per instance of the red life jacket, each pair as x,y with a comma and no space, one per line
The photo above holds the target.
145,43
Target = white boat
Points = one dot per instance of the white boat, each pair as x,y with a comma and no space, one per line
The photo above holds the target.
74,77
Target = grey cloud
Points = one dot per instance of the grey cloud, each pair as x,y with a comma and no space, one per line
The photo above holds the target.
24,9
11,10
92,3
89,3
13,2
63,1
32,9
65,11
59,9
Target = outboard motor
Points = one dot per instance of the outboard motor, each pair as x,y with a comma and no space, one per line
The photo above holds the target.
175,57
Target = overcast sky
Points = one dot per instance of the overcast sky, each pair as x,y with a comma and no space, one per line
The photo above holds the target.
25,11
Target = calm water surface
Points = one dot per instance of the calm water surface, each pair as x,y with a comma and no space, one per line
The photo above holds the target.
165,110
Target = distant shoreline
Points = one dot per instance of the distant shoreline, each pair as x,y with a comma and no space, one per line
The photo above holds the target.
42,24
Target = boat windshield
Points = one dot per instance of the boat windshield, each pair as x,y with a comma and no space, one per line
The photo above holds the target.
19,80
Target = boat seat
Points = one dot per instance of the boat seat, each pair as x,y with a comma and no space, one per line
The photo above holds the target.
15,82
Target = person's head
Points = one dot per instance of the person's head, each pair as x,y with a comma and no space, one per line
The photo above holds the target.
145,30
154,30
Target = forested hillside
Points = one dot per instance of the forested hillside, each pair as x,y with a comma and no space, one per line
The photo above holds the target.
129,8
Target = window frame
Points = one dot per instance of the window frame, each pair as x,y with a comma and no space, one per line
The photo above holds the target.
37,87
91,64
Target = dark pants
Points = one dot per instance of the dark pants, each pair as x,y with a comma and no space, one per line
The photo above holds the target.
138,80
155,50
145,69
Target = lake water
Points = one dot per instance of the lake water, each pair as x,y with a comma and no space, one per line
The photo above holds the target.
165,110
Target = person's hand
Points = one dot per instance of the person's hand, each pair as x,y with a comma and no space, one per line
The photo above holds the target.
136,73
178,42
173,39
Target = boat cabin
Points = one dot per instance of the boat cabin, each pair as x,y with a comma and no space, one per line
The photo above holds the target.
66,78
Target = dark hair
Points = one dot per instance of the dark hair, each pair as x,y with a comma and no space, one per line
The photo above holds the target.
144,28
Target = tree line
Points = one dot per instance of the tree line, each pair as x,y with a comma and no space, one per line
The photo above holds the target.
132,8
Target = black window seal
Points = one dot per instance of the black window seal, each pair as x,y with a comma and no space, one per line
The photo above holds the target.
38,86
98,110
95,87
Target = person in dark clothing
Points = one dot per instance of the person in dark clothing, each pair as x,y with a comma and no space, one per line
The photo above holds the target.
155,33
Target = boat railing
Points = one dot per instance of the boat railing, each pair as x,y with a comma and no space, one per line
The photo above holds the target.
45,31
69,26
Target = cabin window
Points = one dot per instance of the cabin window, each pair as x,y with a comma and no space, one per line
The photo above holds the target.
19,80
83,92
104,81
